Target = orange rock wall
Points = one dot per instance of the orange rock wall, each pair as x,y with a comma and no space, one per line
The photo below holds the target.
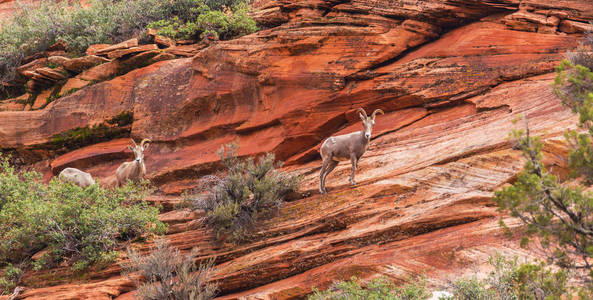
450,75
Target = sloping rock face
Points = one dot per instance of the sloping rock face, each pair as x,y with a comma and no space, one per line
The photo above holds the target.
450,75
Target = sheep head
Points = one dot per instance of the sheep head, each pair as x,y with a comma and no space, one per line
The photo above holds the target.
139,150
368,121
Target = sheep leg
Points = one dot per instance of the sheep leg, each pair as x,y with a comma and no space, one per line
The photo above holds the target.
330,167
354,162
322,176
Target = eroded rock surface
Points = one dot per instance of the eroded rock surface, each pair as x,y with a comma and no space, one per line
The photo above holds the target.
451,77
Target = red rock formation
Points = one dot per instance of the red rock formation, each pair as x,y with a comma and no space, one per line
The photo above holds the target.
451,76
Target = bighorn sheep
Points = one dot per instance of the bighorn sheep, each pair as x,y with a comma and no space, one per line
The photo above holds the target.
133,170
346,147
76,176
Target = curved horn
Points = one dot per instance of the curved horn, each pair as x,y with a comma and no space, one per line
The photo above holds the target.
145,141
377,111
361,110
133,142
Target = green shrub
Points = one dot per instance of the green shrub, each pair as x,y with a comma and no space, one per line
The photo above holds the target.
378,288
168,275
36,27
249,190
175,28
9,278
233,22
512,281
471,289
221,4
75,225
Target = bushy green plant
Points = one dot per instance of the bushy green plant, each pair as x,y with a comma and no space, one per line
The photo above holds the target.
36,27
175,28
76,225
166,274
248,190
221,4
513,281
231,23
10,275
376,289
471,289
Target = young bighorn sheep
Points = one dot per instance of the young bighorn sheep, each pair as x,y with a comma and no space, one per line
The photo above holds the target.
133,170
346,147
76,176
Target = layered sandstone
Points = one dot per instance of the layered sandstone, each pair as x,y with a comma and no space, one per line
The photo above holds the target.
451,77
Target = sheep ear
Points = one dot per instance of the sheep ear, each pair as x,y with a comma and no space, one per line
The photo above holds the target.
362,117
131,148
145,146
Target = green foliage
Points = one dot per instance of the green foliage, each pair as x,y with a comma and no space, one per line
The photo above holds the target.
52,65
471,289
574,85
248,191
9,278
52,98
79,226
175,28
36,27
124,118
231,23
70,91
511,281
376,289
221,4
79,137
558,214
169,275
561,216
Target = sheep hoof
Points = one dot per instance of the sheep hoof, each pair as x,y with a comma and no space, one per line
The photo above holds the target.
352,183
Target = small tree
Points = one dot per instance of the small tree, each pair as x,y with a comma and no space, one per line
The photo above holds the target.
560,215
166,274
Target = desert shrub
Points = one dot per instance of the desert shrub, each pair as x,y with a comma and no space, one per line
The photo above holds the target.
232,22
583,55
248,190
175,28
513,281
79,226
471,289
378,288
36,27
166,274
10,276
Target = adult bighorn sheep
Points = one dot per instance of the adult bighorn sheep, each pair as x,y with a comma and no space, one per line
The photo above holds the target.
346,147
133,170
76,176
